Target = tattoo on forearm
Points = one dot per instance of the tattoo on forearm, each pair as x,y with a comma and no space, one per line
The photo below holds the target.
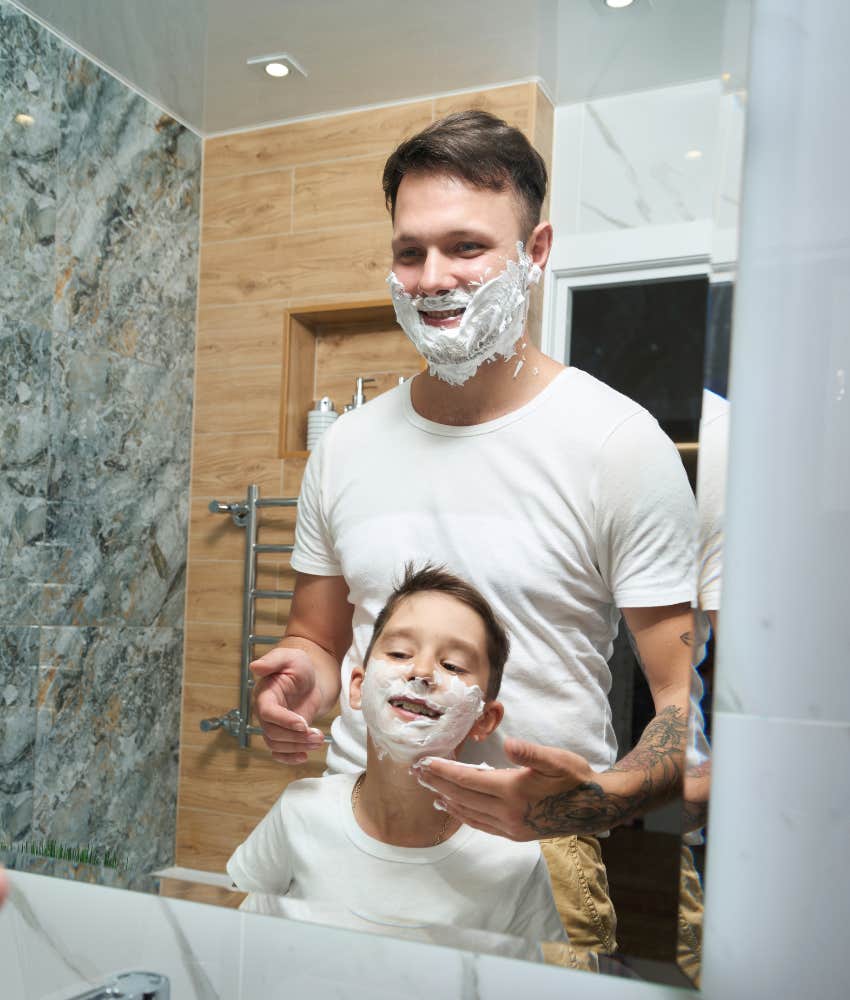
587,808
687,638
694,816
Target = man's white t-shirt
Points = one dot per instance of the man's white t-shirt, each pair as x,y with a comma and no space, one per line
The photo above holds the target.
310,847
711,494
560,512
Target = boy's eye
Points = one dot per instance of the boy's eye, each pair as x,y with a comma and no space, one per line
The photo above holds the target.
454,668
397,654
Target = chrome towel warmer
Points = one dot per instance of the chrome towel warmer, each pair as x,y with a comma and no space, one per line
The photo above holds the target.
244,515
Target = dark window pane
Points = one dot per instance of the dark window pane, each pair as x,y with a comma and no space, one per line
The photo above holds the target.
648,341
720,298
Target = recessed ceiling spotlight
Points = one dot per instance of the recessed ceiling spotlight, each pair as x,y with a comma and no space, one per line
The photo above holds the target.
618,4
279,65
693,154
24,119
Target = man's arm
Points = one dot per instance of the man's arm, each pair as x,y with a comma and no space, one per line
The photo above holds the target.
650,774
299,680
555,792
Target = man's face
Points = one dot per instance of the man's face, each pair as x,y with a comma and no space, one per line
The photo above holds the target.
448,234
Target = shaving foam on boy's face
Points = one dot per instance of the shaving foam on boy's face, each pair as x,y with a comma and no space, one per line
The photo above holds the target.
492,322
412,717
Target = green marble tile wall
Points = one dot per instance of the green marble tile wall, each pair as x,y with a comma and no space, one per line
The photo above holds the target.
99,203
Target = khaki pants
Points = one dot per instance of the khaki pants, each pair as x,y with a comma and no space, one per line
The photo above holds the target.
689,951
580,886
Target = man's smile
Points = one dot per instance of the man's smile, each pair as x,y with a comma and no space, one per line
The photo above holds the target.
441,317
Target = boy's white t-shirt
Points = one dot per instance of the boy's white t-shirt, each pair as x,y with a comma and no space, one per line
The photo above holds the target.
559,513
310,847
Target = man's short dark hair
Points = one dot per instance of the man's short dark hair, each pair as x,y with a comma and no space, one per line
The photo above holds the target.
436,579
482,150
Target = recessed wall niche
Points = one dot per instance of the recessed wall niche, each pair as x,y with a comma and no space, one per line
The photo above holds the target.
325,349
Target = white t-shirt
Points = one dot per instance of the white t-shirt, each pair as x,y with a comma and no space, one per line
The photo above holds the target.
711,496
310,847
559,512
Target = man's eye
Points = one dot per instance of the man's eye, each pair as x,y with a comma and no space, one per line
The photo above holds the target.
409,253
468,248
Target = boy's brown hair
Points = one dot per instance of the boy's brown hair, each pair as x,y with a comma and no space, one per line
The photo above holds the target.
482,150
437,579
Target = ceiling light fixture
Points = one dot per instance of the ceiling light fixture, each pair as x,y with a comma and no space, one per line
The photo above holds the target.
278,65
618,4
693,154
24,119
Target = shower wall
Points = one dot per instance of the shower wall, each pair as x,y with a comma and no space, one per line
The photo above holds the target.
99,194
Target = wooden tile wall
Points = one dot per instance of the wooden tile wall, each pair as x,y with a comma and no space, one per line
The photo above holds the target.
291,215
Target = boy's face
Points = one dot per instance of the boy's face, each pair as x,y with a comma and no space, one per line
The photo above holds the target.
432,647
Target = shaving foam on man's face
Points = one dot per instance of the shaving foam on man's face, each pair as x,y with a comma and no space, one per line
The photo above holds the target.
457,331
412,717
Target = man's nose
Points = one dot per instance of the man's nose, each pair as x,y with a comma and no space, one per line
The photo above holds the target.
436,275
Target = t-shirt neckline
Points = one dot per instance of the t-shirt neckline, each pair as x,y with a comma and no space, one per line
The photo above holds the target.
391,852
489,426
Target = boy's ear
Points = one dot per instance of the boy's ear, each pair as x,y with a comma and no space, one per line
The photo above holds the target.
488,720
355,686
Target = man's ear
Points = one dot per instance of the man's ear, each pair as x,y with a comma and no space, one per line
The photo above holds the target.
488,720
355,686
539,244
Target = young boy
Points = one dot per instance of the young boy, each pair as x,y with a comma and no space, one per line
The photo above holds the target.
374,844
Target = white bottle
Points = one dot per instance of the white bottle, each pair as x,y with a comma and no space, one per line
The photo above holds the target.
319,419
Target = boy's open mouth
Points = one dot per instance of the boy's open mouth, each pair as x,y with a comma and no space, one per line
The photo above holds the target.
414,708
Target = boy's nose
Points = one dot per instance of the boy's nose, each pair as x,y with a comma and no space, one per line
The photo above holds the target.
422,669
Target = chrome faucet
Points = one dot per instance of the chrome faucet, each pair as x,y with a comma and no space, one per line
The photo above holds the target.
130,986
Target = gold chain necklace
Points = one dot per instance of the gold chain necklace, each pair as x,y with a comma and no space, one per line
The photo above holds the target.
355,798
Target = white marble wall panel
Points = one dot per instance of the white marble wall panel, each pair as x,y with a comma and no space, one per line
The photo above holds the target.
777,858
621,163
55,936
786,596
778,884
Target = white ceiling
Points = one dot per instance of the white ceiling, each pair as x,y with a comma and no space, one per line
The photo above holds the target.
189,56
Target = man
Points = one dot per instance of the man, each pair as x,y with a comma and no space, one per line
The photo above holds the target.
560,499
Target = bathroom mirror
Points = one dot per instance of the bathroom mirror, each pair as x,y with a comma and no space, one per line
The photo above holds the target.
141,342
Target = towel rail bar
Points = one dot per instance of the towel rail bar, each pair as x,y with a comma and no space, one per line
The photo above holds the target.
237,721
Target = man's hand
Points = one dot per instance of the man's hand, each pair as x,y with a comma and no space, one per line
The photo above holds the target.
555,793
299,679
286,699
551,793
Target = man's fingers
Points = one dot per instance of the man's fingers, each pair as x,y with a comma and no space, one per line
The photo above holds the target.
290,758
448,776
470,820
482,821
273,715
285,741
467,798
272,663
550,762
